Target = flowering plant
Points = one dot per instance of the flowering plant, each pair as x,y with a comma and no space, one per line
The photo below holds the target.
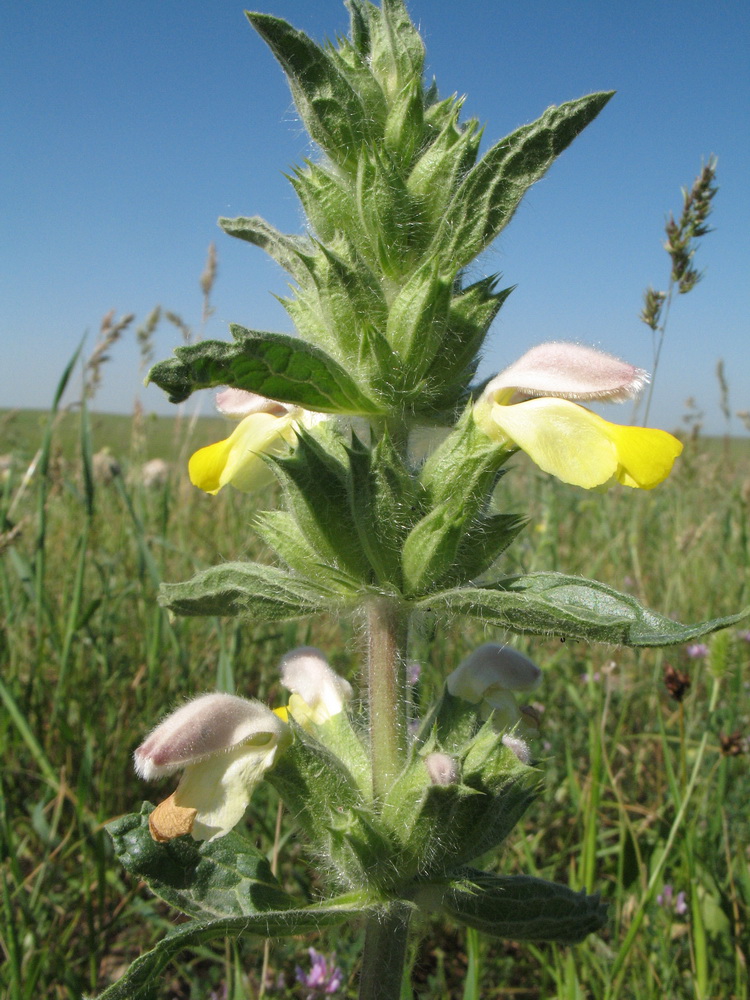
398,203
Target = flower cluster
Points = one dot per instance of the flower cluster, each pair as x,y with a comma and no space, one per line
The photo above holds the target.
532,405
224,745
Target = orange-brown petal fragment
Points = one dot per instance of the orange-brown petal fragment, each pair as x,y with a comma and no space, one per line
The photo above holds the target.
169,820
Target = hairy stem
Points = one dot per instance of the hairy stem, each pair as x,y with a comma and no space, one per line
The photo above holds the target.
384,954
386,687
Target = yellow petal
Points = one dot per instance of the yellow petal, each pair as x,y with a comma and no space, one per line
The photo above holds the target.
581,448
646,455
237,460
219,787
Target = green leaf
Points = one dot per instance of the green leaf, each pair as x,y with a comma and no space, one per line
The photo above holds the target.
272,364
389,215
349,296
330,108
418,318
430,548
328,198
458,479
260,593
327,801
491,191
279,529
228,877
472,312
397,51
442,826
384,502
292,252
518,907
569,606
139,983
316,491
443,163
483,544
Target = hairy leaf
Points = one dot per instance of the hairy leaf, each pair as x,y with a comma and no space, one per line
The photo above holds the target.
332,111
260,593
492,190
570,606
228,877
272,364
519,907
139,983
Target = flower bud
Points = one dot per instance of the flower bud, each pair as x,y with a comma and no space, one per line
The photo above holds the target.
490,669
519,747
318,692
442,769
488,677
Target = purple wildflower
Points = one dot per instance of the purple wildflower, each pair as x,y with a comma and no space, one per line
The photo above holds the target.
697,651
665,896
669,901
744,635
324,977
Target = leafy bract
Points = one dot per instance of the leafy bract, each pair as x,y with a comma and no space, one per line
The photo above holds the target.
261,593
139,983
489,194
519,907
272,364
570,606
228,877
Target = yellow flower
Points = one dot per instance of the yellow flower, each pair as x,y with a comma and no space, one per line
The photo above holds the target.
530,406
223,745
266,427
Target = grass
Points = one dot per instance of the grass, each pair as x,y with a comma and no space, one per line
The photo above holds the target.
637,791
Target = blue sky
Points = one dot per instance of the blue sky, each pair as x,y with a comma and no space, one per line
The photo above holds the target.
128,128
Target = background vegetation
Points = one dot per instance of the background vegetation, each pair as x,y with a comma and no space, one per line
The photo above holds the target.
640,790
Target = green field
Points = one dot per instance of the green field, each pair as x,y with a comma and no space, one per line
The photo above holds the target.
637,792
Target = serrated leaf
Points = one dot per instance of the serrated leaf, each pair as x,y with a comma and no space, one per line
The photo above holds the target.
260,593
569,606
344,298
280,530
357,71
139,982
389,215
458,479
471,315
397,51
521,908
228,877
431,546
273,364
492,190
332,111
404,127
442,826
483,543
